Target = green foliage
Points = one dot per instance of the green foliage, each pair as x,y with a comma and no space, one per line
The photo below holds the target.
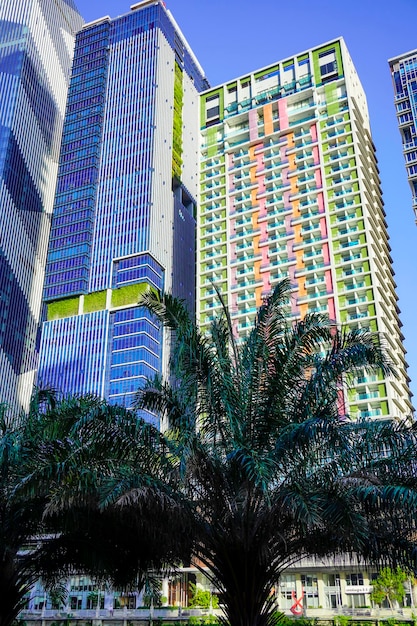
58,596
202,620
95,301
201,598
129,294
389,585
63,308
304,621
270,451
284,620
255,468
21,515
342,620
177,123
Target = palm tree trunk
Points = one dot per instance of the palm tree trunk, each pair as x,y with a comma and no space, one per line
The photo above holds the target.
245,583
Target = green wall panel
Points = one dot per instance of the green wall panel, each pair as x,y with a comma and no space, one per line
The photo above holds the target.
129,294
63,308
95,301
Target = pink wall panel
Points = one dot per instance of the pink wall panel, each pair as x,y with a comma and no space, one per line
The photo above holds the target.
282,113
253,124
320,202
329,281
332,309
323,227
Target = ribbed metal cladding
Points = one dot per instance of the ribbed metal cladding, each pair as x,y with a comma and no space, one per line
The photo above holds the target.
37,39
79,356
119,220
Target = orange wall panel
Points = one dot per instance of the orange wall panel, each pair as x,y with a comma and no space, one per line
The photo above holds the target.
269,125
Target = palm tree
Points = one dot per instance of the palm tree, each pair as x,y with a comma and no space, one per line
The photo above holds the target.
21,519
268,468
257,466
85,452
56,462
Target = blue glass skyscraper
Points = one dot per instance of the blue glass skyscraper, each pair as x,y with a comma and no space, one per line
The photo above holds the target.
36,49
125,202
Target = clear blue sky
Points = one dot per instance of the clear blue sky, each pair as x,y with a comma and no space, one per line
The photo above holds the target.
235,37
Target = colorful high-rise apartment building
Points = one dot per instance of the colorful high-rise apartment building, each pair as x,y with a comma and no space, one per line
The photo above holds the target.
124,214
36,49
404,79
290,187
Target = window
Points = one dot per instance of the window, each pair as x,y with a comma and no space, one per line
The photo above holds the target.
327,62
213,112
75,603
354,579
213,107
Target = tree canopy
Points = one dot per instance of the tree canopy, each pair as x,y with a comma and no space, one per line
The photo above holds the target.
21,517
389,585
271,468
258,465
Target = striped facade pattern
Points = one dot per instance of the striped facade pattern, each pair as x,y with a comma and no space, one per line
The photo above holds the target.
36,49
122,220
290,188
404,79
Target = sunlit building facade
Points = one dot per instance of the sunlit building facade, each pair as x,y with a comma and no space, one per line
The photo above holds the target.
290,188
124,214
321,588
36,49
404,79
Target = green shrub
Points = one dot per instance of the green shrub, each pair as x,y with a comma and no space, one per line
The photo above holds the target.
201,599
209,619
202,620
